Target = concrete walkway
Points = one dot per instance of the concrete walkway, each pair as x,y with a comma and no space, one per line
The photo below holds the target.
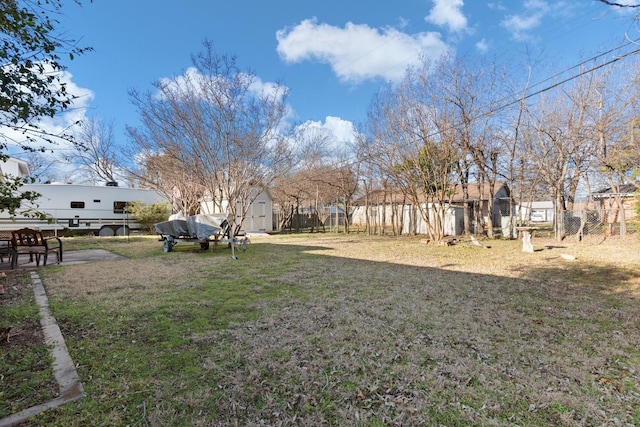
68,258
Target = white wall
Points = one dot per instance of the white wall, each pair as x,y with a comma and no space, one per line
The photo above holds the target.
412,221
14,167
259,214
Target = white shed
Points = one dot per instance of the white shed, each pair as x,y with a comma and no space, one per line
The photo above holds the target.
453,220
259,218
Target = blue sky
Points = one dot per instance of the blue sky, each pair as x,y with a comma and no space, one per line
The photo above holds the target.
332,55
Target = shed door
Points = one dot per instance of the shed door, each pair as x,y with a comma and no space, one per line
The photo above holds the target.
260,215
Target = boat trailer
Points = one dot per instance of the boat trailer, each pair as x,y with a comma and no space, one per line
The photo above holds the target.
203,229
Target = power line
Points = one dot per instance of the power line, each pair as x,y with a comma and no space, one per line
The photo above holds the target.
547,88
568,79
580,64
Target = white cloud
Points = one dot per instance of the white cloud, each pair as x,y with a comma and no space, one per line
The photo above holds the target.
357,52
341,131
482,46
259,87
61,123
53,154
448,13
496,5
521,25
337,136
192,81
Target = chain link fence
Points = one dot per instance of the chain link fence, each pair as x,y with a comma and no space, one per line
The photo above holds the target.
611,222
586,222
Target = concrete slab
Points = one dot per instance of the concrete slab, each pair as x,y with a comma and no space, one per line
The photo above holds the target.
68,258
88,255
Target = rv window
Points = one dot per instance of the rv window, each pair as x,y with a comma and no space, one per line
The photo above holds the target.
77,205
119,207
96,200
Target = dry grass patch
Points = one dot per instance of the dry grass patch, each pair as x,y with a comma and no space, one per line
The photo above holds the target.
319,330
439,335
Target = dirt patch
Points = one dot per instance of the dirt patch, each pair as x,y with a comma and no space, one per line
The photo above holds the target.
26,374
26,333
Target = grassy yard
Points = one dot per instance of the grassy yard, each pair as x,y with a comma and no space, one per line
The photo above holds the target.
349,330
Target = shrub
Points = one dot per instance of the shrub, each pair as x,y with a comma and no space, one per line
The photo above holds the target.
148,214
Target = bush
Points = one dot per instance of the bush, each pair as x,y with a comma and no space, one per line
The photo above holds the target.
148,214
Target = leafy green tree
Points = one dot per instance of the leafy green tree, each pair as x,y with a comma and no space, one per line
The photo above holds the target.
30,71
11,198
31,81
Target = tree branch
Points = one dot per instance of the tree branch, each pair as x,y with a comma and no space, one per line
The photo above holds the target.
611,3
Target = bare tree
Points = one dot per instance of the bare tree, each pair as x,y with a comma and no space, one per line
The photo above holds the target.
163,173
447,113
291,190
289,194
617,4
41,168
220,125
617,153
516,167
561,141
96,152
323,175
470,93
335,185
406,144
369,176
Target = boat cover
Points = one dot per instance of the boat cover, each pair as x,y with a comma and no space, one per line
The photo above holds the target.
174,227
200,227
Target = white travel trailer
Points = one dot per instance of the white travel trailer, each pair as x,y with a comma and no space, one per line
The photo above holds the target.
99,209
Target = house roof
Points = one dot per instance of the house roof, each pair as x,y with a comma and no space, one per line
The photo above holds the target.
478,192
378,197
624,190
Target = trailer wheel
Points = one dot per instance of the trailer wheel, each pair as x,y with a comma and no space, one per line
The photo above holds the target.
167,246
106,231
122,231
204,246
